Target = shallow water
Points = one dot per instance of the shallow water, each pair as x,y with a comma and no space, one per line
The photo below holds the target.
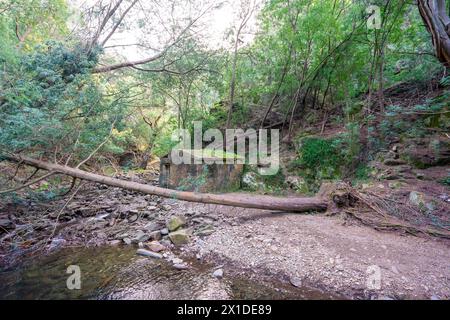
118,273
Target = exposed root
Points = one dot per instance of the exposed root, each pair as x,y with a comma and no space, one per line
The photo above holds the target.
378,212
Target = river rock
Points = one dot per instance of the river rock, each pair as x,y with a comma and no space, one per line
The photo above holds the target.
176,223
205,231
155,235
127,241
179,237
155,246
164,231
180,266
140,236
147,253
295,281
177,261
153,226
115,242
218,274
133,218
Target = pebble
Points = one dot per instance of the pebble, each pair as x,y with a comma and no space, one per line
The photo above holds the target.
218,273
295,281
180,266
115,242
155,246
177,261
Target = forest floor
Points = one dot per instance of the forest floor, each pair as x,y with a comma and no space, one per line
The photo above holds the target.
336,254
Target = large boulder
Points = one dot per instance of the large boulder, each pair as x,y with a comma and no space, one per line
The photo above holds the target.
427,152
180,237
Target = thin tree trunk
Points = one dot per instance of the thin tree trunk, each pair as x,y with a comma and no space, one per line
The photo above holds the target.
233,82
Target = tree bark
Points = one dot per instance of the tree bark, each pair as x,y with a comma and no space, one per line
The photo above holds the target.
437,21
296,204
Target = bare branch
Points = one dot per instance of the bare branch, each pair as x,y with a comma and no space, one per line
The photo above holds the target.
118,23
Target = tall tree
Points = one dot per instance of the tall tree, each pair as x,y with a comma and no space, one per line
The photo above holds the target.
434,14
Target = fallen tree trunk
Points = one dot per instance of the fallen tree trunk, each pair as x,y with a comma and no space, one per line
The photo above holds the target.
296,204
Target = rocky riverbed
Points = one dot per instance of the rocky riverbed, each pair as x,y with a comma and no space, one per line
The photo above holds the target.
313,253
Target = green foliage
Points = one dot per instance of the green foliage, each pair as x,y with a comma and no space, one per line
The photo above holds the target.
318,153
324,159
432,114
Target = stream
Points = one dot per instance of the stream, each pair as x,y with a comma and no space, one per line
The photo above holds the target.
118,273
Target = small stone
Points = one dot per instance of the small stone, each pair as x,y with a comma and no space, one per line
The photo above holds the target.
164,231
102,217
218,274
166,207
295,281
176,223
177,261
166,242
205,231
122,236
434,297
140,237
155,235
127,241
155,246
153,226
133,218
180,266
147,253
115,242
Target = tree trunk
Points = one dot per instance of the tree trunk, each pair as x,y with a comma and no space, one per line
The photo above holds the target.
436,19
237,200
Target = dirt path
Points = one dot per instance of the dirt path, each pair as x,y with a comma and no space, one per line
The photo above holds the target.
328,253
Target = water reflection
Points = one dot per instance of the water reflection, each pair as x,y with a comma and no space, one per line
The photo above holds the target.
118,273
